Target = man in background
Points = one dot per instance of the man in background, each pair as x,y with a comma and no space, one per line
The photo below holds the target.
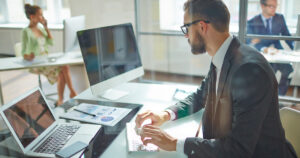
271,23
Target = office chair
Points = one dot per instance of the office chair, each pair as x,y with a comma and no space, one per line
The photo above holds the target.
18,53
290,119
18,50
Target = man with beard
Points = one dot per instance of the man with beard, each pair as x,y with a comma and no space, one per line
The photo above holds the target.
239,94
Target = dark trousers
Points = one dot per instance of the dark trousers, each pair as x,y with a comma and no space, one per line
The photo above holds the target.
285,70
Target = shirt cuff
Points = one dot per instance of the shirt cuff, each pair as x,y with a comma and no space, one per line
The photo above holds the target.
172,114
180,146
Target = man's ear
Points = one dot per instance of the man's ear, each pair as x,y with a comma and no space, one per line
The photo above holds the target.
202,26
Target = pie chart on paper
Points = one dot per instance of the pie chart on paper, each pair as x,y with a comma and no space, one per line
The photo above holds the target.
107,118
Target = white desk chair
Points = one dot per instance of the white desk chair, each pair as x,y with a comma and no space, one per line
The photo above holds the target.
290,120
296,78
18,53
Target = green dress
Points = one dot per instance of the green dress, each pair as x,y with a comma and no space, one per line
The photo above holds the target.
39,46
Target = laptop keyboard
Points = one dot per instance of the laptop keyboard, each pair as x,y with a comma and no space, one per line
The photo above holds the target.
58,139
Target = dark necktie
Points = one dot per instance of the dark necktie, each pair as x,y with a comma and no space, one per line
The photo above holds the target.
210,105
268,28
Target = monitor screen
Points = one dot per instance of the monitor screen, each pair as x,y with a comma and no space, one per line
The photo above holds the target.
109,52
71,26
297,43
29,117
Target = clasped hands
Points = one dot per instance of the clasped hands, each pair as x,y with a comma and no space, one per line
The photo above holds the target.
151,133
29,57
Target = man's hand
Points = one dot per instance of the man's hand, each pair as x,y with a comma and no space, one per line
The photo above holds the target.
255,41
272,51
157,118
154,135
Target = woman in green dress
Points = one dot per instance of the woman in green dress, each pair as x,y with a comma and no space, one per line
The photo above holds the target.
35,42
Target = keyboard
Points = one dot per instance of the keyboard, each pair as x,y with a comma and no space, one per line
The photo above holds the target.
57,139
135,143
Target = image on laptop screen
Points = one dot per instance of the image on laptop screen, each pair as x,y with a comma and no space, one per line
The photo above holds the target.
109,51
29,117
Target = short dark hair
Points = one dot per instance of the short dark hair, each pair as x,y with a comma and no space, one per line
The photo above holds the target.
264,2
31,10
215,11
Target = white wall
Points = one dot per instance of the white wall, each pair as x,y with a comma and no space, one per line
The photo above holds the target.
104,12
10,36
98,13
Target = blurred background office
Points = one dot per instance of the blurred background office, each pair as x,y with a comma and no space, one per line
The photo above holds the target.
165,53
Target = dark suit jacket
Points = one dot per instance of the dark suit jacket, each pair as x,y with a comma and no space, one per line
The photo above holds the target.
256,26
246,123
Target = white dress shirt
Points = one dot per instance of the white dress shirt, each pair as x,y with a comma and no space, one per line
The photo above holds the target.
265,21
217,60
265,24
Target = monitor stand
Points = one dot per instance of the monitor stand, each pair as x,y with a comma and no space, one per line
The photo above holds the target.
113,94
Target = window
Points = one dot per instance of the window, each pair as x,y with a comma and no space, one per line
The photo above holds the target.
54,10
171,10
288,8
171,14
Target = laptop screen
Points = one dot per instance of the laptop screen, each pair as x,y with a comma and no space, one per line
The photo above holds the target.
29,117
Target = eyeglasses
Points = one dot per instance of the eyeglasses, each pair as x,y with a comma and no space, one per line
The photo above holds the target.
185,27
271,6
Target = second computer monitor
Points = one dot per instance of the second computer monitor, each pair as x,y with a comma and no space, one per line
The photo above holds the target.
111,57
71,26
297,43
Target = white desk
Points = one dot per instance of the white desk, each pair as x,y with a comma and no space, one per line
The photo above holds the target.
16,63
154,97
283,57
287,57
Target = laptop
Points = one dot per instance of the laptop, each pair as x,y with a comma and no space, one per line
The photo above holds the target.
36,129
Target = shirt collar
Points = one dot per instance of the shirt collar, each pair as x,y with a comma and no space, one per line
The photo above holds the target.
264,19
218,58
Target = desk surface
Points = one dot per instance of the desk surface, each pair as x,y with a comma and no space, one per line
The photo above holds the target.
283,57
154,97
15,63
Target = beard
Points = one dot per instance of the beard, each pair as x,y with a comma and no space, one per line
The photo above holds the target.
199,47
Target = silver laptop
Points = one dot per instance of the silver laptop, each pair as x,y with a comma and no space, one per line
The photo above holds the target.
36,129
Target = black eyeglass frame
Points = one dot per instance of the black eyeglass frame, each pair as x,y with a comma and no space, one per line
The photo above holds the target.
185,27
270,6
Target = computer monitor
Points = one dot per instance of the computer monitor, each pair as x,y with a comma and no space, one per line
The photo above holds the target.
111,58
297,43
71,26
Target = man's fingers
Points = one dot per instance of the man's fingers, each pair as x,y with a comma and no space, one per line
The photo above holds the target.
153,133
149,134
150,129
145,142
138,120
142,117
153,140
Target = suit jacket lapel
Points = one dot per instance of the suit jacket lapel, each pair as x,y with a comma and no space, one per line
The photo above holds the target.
225,69
260,25
222,79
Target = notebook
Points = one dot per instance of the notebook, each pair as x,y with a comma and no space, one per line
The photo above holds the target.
36,129
96,114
